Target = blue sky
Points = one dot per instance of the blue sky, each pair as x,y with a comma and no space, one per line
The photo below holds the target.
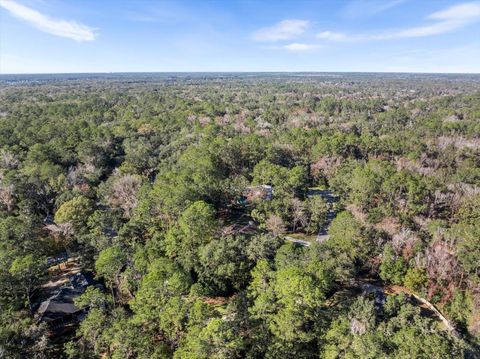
46,36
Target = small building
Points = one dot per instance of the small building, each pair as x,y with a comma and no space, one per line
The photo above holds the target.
59,258
59,309
249,228
255,194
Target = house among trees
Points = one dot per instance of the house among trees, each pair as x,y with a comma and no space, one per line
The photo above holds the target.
240,228
60,258
254,194
59,309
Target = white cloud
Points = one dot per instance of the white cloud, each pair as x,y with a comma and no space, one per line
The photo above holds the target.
298,47
63,28
447,20
330,35
461,12
284,30
364,8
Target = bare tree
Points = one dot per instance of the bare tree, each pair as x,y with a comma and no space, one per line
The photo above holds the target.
8,160
299,215
124,193
79,174
442,268
275,225
404,243
6,196
325,167
441,261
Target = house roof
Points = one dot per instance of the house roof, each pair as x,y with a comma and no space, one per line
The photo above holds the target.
62,302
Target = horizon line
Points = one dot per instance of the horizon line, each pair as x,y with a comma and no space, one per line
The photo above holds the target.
236,72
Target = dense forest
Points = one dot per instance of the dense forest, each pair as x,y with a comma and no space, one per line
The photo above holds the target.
240,216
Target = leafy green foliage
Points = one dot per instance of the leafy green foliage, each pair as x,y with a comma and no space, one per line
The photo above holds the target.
393,269
364,334
195,229
155,184
109,263
75,212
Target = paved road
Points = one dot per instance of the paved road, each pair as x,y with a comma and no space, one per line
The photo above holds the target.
323,232
381,291
330,198
297,241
